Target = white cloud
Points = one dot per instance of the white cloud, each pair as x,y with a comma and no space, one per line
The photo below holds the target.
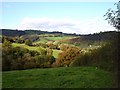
66,25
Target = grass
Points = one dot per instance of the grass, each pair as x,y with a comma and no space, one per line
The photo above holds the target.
64,77
0,80
57,38
46,39
42,40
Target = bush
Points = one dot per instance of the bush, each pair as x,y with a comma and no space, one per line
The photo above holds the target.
82,60
28,42
64,47
103,57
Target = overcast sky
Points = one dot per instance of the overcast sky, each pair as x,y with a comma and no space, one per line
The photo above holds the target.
75,17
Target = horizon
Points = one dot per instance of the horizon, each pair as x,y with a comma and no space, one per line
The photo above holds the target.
61,32
66,17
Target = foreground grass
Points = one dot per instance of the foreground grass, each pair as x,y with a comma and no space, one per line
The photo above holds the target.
72,77
0,80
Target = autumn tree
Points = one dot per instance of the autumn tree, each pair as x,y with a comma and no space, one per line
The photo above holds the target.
64,47
66,57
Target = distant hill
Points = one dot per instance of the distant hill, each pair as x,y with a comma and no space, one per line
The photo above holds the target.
102,36
12,33
88,37
9,32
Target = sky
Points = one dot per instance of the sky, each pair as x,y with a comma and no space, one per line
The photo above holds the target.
67,17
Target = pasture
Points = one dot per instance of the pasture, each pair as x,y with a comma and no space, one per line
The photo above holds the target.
64,77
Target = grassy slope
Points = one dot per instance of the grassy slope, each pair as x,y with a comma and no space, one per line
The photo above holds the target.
46,39
57,38
26,46
72,77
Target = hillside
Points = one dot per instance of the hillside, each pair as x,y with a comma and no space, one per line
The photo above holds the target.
42,59
12,33
75,77
35,35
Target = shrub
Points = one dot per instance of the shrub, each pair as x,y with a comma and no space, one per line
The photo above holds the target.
103,57
28,42
63,47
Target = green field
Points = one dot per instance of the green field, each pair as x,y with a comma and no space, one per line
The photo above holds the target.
46,39
57,38
69,77
26,46
55,52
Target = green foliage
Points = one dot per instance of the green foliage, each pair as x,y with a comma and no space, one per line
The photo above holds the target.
19,52
28,42
103,57
51,45
56,52
33,53
44,45
6,55
35,48
6,43
113,16
19,40
17,58
26,46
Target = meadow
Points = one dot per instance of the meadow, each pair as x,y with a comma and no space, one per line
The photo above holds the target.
43,39
63,77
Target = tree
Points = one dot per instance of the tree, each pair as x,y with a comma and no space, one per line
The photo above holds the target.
113,16
28,42
64,47
66,57
6,55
